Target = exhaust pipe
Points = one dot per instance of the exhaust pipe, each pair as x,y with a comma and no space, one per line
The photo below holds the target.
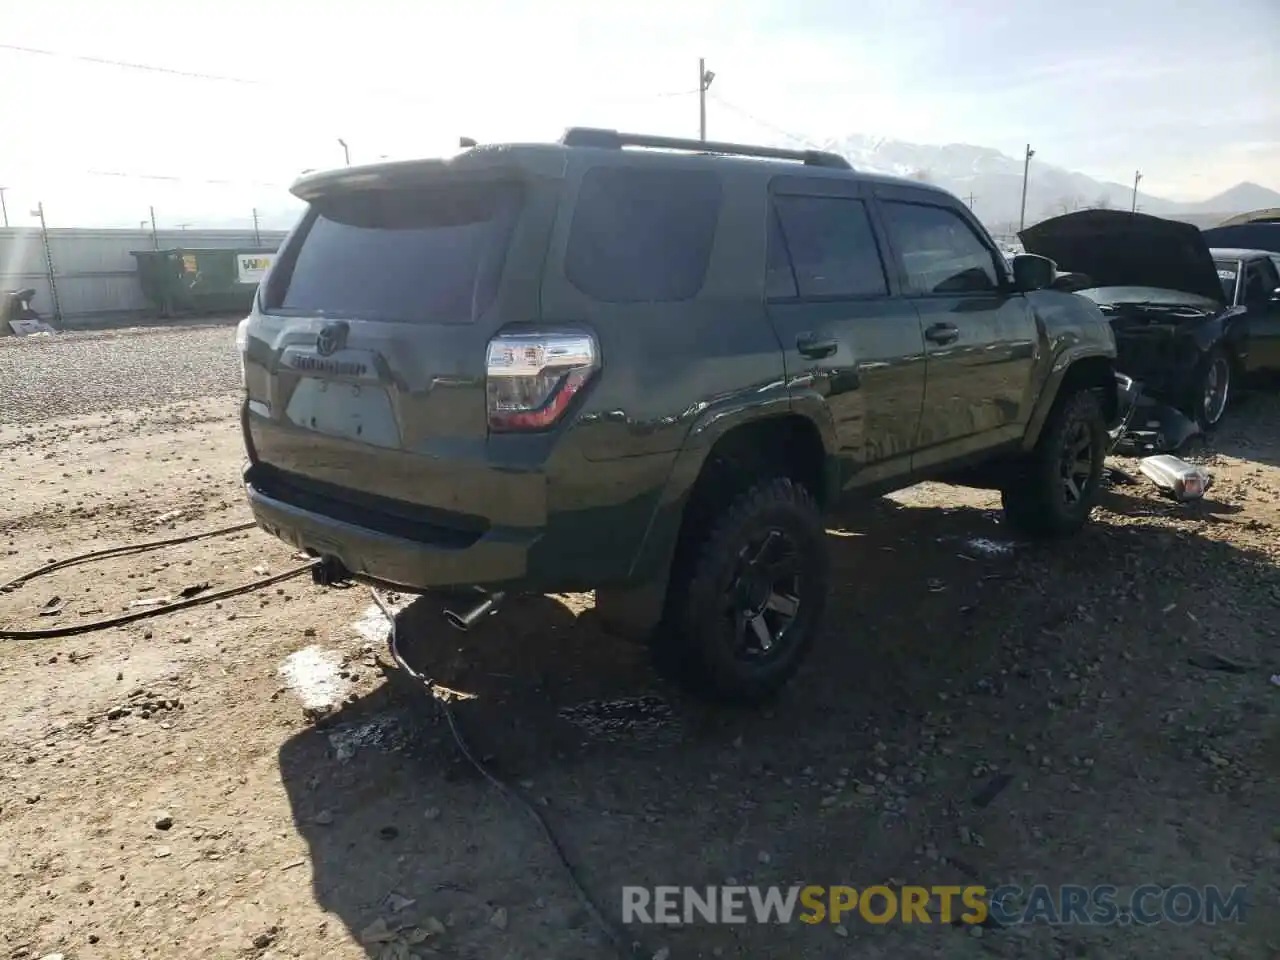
464,621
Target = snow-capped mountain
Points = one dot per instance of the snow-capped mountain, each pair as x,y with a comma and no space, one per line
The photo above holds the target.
993,180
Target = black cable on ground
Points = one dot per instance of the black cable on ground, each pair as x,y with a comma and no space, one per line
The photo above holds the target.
127,550
441,696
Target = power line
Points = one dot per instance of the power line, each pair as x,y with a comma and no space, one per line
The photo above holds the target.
181,179
252,81
126,64
764,123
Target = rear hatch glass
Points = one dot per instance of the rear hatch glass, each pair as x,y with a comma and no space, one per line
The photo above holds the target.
406,255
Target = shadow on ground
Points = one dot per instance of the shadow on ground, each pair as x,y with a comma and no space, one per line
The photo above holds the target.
951,655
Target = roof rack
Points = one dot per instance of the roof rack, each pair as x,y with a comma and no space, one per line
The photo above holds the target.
613,140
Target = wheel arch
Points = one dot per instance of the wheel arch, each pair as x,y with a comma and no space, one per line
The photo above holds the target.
1075,370
720,445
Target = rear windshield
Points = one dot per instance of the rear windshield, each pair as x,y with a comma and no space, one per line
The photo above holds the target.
423,255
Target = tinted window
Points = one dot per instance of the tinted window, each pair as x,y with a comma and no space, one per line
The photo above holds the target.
1260,281
418,255
941,252
832,247
642,235
779,278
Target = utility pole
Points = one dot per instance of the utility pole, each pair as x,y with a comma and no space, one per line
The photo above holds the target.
3,208
705,77
971,198
1137,176
346,153
257,234
155,237
48,262
1026,170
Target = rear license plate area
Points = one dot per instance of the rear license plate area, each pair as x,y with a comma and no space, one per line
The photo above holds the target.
347,411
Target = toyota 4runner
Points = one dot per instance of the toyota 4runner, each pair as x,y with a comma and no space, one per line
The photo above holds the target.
646,367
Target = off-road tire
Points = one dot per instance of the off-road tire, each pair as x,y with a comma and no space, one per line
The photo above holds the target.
1035,499
695,644
1216,362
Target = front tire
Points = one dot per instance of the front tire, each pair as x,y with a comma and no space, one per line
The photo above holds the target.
748,604
1212,391
1055,489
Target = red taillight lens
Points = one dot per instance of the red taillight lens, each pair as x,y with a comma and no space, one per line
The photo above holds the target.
531,378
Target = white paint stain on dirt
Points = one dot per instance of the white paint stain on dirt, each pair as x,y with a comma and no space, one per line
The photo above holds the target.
313,674
373,625
989,548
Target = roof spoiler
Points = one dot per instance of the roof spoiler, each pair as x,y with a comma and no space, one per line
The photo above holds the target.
613,140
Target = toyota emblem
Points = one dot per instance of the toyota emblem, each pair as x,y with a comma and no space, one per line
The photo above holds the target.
332,338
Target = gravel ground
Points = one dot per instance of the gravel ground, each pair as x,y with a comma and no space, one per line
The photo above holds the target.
75,373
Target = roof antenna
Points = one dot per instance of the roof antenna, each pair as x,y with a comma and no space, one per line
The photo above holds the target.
466,142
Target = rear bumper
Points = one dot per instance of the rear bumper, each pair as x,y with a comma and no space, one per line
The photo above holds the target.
497,558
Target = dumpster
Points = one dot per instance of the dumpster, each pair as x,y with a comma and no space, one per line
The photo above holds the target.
187,281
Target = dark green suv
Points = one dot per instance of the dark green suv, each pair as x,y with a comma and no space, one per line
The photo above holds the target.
645,367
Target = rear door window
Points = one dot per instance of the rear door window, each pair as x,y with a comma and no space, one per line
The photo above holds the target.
422,255
940,251
1228,275
643,236
1260,281
832,248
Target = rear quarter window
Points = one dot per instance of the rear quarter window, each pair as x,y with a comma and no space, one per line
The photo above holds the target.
642,235
431,254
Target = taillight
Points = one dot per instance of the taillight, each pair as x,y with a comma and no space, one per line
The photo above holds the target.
532,378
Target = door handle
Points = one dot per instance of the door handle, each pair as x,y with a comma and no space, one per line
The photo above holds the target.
815,348
942,333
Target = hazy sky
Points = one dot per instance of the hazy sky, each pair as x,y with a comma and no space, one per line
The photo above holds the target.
1185,91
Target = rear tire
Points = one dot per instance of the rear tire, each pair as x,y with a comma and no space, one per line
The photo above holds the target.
1054,490
746,604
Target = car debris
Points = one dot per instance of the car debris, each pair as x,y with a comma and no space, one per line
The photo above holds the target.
1146,425
1216,661
1176,478
1154,429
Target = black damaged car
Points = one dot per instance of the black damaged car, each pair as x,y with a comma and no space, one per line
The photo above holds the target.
1177,333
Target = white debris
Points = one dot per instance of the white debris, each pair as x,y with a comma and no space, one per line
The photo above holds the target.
988,547
313,674
373,625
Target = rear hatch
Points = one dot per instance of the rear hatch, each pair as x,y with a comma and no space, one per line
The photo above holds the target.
365,355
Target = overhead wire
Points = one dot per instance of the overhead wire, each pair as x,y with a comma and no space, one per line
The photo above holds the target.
748,115
395,93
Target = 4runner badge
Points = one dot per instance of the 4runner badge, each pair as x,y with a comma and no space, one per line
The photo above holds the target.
332,338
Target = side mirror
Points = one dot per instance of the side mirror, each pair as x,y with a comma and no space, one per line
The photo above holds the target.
1031,272
1275,295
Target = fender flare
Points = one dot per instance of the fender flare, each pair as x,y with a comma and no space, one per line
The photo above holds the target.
1061,366
710,426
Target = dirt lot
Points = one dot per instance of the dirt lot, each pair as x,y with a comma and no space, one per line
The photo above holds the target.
165,791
